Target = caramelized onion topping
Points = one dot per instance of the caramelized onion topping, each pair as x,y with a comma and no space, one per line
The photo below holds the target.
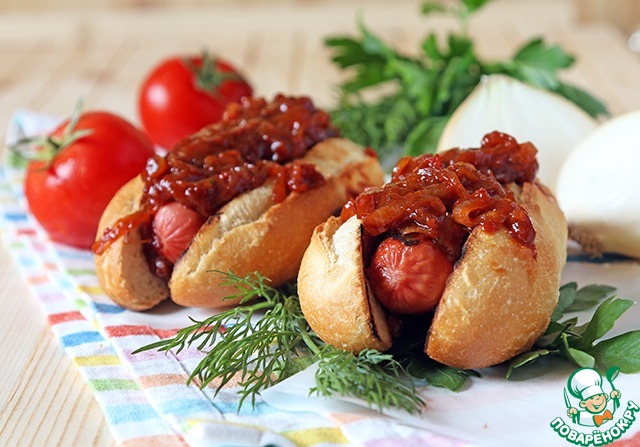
255,141
442,197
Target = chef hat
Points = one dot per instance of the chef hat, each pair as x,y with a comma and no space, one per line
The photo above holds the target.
585,382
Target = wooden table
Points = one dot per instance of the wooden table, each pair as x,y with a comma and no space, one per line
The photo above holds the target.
48,60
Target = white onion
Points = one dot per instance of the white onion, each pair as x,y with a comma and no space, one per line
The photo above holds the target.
552,123
599,185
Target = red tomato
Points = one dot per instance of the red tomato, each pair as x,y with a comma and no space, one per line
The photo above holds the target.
68,194
181,96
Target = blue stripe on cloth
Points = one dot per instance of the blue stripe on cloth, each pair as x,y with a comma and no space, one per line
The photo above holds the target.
74,253
261,408
105,308
120,414
15,217
80,338
185,407
65,283
26,261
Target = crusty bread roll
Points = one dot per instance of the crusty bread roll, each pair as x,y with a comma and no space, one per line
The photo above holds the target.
500,297
334,293
496,304
251,233
122,270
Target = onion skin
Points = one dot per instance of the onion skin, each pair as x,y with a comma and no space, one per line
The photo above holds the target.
599,187
552,123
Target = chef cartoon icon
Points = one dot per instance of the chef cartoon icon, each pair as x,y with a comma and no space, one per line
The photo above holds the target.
596,406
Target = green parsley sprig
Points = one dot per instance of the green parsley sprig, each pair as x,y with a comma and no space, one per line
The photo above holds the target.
579,344
424,90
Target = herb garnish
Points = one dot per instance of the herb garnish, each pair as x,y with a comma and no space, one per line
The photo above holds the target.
578,343
266,339
426,89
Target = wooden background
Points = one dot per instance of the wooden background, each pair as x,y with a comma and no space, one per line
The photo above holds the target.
50,57
624,13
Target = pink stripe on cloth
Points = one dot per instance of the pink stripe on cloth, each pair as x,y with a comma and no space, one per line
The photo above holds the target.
422,439
156,441
155,380
51,297
64,317
128,330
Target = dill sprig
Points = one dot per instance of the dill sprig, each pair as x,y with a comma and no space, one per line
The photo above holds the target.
266,339
371,375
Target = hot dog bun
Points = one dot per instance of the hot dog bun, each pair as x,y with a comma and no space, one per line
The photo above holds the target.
123,270
251,233
496,303
500,297
335,296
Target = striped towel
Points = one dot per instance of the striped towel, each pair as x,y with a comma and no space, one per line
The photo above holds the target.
144,397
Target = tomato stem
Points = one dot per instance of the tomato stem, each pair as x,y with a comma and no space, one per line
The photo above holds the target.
45,148
208,75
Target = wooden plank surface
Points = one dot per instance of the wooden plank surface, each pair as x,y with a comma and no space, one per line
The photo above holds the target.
48,60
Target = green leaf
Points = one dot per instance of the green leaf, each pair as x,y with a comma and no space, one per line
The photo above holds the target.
525,359
590,296
437,374
473,5
602,322
571,299
432,7
622,351
15,159
424,137
553,333
457,81
431,50
581,358
459,46
576,356
365,78
399,115
535,76
348,52
372,44
566,298
536,53
583,99
412,74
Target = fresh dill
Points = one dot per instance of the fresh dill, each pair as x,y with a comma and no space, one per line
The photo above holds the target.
266,339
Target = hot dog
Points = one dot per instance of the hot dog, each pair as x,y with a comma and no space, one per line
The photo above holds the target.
242,195
468,240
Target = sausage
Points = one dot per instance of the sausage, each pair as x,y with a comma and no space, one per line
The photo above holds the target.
408,278
174,227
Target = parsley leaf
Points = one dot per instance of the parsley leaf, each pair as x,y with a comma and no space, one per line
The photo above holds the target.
422,91
579,344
